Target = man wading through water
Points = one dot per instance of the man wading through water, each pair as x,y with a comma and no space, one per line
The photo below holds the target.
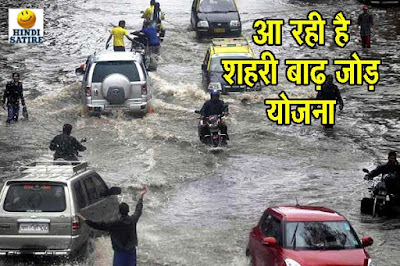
366,24
122,231
12,94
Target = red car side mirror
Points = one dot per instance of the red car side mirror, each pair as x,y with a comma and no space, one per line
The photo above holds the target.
269,241
367,241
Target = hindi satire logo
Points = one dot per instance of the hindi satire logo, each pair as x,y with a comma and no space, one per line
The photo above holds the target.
25,25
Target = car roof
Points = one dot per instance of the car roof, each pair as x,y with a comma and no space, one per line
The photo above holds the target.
116,56
50,171
230,45
297,213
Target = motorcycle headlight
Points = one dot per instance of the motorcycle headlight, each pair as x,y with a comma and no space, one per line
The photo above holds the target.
235,24
202,24
290,262
215,86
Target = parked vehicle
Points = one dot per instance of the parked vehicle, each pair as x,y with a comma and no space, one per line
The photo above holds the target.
380,2
38,211
305,236
212,71
215,18
115,80
380,202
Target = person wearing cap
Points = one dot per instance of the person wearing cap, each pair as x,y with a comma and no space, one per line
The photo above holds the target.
214,106
330,91
12,94
365,23
122,231
118,33
65,146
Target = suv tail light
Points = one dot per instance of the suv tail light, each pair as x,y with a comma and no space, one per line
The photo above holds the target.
76,224
88,91
144,89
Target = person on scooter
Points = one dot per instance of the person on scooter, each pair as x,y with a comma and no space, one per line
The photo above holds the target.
214,106
392,170
148,13
65,146
151,34
158,17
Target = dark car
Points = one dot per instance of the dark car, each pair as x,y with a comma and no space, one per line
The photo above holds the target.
380,2
216,18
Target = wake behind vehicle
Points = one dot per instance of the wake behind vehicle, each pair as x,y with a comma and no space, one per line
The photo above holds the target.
38,211
114,81
215,18
212,71
306,236
380,202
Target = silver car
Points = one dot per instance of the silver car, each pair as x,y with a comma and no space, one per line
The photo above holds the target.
116,80
38,211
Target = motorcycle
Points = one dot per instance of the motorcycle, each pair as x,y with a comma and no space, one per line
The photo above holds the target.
215,138
141,44
380,202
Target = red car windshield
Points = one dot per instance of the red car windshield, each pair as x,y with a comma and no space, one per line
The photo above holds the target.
321,236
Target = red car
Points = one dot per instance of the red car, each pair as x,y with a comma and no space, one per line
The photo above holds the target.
306,236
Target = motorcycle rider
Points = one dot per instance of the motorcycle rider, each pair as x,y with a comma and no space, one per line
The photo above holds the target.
214,106
65,145
392,167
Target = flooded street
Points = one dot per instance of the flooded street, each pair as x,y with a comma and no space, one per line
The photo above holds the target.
201,206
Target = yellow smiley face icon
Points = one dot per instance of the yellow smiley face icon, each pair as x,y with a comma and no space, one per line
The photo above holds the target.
26,18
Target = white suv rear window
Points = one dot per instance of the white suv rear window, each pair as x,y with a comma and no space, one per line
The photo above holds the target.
126,68
35,197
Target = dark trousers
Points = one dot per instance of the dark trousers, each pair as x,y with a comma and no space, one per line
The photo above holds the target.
13,112
119,48
366,41
124,258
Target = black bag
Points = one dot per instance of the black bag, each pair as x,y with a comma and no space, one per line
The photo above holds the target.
25,112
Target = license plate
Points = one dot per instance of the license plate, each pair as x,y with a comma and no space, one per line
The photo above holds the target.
34,228
219,30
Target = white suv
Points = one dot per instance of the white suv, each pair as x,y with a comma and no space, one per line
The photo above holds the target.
116,80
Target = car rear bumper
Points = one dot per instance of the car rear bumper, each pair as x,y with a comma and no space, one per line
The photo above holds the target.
218,32
383,2
61,252
39,245
105,107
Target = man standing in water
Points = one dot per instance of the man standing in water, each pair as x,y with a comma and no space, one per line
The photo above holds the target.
366,23
330,91
119,33
12,94
123,232
65,146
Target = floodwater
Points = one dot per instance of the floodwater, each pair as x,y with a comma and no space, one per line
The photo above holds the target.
201,206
